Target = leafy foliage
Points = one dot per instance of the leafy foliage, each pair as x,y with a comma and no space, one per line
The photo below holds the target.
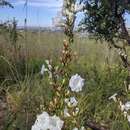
104,18
5,3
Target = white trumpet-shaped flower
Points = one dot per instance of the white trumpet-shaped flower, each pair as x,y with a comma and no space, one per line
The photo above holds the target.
55,123
43,69
82,128
76,83
75,128
46,122
73,101
47,62
127,106
128,118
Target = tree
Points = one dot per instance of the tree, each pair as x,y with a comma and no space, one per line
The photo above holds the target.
4,26
105,19
5,3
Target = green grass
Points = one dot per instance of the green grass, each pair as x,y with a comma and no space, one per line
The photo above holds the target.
28,92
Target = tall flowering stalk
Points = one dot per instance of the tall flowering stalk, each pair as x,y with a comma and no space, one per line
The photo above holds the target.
67,17
69,14
62,110
68,90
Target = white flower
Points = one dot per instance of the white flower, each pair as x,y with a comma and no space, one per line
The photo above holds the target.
67,101
82,128
129,87
73,101
76,83
42,122
46,122
125,114
43,69
128,118
55,123
122,106
48,64
113,97
66,113
49,68
127,106
75,128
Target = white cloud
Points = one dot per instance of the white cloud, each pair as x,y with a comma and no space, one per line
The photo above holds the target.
40,3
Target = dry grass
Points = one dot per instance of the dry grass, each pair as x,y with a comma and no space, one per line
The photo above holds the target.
48,45
94,60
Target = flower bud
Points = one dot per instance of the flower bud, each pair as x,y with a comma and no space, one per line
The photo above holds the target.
67,93
55,101
58,94
63,52
65,44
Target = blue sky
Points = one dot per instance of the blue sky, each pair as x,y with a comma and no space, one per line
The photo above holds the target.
40,12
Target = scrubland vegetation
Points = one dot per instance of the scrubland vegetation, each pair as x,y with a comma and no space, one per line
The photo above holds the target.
28,92
63,80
